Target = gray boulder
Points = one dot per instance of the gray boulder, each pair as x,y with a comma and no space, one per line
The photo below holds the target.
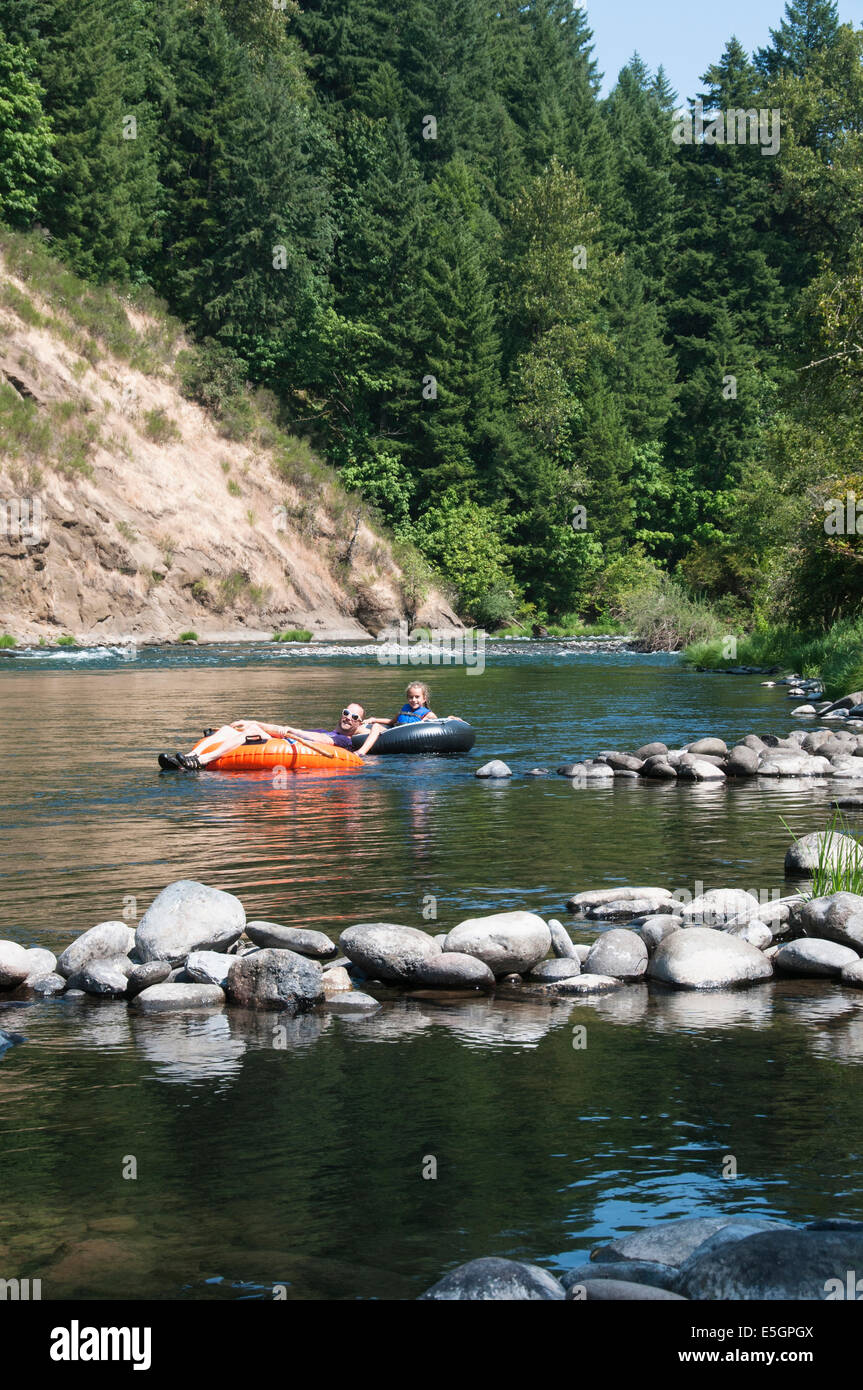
719,906
561,942
692,769
102,942
454,970
336,981
836,849
772,1265
837,917
756,933
586,983
351,1002
385,951
636,1272
655,929
508,942
619,1291
703,958
659,770
107,978
209,968
814,956
167,997
620,954
495,1280
48,984
853,974
624,909
141,977
306,943
188,916
625,762
561,968
651,750
494,769
42,963
274,979
716,746
673,1242
742,762
14,965
598,897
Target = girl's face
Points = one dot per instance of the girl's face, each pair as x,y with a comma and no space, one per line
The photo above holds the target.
415,697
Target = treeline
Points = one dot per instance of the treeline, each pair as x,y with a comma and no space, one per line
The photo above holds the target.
557,348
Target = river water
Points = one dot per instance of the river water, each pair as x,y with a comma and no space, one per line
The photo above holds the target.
303,1166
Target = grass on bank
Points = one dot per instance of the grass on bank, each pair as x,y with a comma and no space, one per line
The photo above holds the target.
294,634
7,641
189,636
835,656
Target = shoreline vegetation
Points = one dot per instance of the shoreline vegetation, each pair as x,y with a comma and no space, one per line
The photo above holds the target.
834,656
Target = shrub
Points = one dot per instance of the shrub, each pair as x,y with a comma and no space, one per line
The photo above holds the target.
159,426
66,641
211,374
7,641
234,488
294,634
189,636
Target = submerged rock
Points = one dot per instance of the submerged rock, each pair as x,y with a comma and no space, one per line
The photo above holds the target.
273,979
495,768
673,1242
188,916
386,951
48,984
105,941
507,941
703,958
661,1276
491,1279
351,1002
619,1291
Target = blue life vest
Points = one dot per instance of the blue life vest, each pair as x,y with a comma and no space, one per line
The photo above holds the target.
412,716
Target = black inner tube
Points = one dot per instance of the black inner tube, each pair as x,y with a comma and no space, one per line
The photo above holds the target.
427,736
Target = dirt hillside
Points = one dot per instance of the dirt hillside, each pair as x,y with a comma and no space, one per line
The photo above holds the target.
124,512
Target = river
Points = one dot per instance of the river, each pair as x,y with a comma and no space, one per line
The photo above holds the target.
303,1165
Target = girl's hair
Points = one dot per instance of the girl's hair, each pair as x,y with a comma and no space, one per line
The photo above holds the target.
418,685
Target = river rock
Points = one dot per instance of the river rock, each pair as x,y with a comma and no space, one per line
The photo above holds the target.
620,954
742,762
659,769
47,984
691,769
188,916
715,746
847,702
385,951
495,768
561,968
802,857
619,1291
754,742
14,965
562,943
784,1264
107,978
103,942
275,979
660,1276
814,956
351,1002
755,932
491,1279
654,929
597,772
507,941
702,958
306,943
42,963
9,1040
836,917
587,983
454,970
336,981
141,977
719,906
651,750
853,974
673,1242
165,997
625,762
804,711
209,968
596,897
624,909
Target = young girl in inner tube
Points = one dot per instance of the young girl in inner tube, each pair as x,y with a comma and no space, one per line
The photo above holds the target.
415,711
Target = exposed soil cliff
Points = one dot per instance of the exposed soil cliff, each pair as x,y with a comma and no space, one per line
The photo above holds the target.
125,512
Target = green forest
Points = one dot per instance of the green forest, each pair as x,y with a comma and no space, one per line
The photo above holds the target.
590,369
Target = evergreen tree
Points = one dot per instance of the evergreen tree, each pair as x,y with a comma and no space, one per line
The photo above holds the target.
808,26
26,162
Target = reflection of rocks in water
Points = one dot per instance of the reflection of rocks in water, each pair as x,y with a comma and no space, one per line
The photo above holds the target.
401,1018
499,1023
628,1005
255,1274
102,1023
97,1265
813,1005
268,1028
843,1042
717,1008
188,1047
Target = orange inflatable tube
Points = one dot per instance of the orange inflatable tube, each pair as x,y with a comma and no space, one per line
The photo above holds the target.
286,753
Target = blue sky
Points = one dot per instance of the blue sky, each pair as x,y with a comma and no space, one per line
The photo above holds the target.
685,37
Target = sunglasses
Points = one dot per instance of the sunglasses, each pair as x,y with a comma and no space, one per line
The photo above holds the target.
346,714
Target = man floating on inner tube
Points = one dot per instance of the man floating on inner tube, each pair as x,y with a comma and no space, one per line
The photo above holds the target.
218,742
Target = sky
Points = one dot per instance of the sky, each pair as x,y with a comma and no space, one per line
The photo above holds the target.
685,37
